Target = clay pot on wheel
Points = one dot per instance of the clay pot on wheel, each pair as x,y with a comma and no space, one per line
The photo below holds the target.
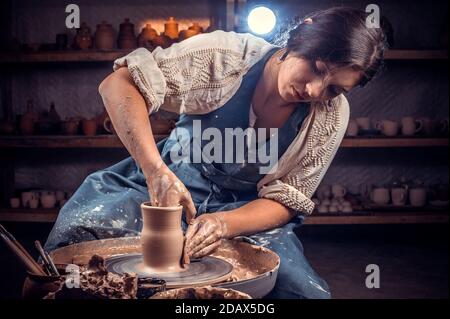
162,238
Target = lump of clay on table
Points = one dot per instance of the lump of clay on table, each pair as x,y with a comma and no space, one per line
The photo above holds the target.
97,283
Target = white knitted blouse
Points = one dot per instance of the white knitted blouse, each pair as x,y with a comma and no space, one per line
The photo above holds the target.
200,74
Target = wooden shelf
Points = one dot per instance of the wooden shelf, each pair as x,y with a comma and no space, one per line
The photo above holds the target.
109,56
63,141
357,142
112,141
63,56
426,217
24,215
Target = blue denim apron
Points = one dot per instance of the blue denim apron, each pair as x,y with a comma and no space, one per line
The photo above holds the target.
107,203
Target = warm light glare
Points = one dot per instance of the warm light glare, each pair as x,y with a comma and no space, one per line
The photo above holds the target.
261,20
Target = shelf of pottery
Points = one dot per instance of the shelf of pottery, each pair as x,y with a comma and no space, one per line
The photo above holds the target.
101,45
400,201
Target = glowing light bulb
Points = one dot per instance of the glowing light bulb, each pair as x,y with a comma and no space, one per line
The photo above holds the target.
261,20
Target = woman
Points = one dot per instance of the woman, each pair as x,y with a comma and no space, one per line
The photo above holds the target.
223,81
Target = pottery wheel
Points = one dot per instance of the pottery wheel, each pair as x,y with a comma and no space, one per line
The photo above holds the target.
205,271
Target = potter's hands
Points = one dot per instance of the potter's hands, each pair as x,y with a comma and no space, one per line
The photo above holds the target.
204,234
166,190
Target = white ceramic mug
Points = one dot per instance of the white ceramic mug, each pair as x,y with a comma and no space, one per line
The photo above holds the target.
363,123
48,200
26,197
427,126
34,203
338,191
411,126
352,128
418,196
14,202
398,196
323,192
380,196
387,127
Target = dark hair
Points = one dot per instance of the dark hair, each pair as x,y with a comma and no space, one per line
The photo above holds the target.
338,36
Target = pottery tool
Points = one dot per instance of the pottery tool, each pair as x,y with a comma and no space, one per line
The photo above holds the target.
52,264
51,269
20,252
205,271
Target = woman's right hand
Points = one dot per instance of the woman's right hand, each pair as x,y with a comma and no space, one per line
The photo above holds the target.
166,190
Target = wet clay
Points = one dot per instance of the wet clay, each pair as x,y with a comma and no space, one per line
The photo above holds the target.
97,283
245,265
162,239
206,292
249,261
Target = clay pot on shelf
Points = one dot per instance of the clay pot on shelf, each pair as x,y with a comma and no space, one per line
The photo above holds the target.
184,34
70,127
83,39
162,238
171,28
146,36
49,122
126,39
104,36
33,203
196,27
48,201
162,41
28,120
14,202
26,197
89,127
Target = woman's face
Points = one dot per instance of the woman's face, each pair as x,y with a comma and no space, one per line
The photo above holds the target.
302,81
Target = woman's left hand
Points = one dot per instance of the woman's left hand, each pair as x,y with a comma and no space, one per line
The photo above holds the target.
204,234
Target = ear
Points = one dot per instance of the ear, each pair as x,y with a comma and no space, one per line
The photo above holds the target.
308,21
